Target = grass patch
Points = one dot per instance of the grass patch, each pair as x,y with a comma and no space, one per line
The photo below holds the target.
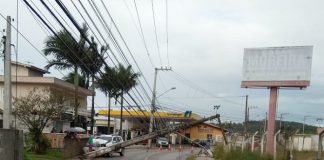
282,154
51,154
220,154
192,157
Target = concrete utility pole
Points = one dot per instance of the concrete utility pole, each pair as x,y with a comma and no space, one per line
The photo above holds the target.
275,145
153,108
320,147
265,122
246,115
253,137
281,117
304,132
7,110
304,124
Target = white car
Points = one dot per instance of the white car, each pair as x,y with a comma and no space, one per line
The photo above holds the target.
162,141
106,141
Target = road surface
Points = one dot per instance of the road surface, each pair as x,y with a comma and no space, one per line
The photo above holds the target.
152,154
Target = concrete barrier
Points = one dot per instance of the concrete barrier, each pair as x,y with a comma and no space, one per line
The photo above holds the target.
11,144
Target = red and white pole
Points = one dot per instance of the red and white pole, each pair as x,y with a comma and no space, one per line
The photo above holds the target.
271,119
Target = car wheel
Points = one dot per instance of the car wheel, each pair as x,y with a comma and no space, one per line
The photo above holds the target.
122,153
109,154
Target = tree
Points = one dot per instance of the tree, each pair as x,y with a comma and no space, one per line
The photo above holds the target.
107,83
126,79
91,66
70,78
67,52
36,109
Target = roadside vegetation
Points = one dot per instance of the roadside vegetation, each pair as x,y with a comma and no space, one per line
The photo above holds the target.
34,111
51,154
220,154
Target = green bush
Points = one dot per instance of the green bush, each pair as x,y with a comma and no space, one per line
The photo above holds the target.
44,144
38,144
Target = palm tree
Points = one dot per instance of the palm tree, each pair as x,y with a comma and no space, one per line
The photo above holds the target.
107,83
70,78
67,52
91,66
126,79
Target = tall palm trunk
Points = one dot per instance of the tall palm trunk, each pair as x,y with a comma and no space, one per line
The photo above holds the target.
109,105
121,114
92,105
76,103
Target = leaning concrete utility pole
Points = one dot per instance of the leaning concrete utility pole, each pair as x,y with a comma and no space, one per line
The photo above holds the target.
320,147
7,110
153,101
275,145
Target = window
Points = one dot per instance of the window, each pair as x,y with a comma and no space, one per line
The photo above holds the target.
115,140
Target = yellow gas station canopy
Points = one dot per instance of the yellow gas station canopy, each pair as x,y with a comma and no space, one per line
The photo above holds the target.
168,115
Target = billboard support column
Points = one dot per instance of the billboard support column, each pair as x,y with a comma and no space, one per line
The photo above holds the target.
271,119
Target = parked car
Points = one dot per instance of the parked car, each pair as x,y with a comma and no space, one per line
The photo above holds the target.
162,141
106,141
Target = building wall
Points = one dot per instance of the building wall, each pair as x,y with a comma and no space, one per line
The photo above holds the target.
22,71
201,131
24,89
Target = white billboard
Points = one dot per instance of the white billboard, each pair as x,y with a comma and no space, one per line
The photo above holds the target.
278,63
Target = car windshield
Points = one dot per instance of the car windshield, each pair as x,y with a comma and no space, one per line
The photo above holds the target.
106,138
163,139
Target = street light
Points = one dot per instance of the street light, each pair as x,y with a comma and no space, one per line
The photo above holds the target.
173,88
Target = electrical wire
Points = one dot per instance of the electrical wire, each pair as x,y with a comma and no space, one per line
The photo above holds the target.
142,33
156,36
167,30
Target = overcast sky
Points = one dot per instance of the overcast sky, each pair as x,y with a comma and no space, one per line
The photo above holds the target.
206,43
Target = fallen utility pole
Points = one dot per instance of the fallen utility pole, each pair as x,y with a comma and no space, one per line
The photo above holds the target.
151,135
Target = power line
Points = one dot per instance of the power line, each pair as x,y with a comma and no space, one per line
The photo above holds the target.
167,30
142,33
156,36
73,21
103,22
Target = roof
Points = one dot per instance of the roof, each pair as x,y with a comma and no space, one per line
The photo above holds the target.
29,66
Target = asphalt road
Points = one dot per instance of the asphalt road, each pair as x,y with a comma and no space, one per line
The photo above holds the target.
152,154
